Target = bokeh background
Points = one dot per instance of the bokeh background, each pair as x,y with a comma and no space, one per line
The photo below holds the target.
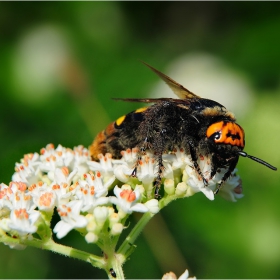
60,65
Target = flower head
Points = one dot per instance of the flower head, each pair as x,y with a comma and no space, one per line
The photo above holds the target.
81,190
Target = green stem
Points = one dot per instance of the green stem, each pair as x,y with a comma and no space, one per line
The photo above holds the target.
119,271
115,267
166,200
50,245
126,248
114,262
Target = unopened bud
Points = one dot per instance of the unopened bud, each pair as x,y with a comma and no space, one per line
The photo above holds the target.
152,206
181,189
169,186
100,214
117,229
91,237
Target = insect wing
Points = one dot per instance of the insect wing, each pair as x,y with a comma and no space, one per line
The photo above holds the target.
177,88
152,100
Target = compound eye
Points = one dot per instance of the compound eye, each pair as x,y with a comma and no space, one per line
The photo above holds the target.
217,135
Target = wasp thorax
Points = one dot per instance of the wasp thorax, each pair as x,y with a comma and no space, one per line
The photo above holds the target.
225,132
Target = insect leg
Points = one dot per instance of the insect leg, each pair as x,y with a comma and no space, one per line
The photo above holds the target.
157,182
214,167
140,153
227,175
194,160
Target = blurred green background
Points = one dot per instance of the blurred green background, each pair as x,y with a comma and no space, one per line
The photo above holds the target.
60,65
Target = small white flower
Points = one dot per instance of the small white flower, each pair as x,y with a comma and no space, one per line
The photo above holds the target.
126,199
195,181
147,169
51,159
178,159
124,167
232,189
62,175
80,160
104,166
92,191
70,218
123,172
43,196
23,222
27,171
61,184
20,197
130,157
45,200
171,275
6,194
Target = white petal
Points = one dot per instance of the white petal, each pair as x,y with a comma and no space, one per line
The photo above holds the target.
153,206
139,207
208,193
61,229
122,172
117,191
185,275
34,216
81,222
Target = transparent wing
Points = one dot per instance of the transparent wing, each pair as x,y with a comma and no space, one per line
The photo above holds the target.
155,100
177,88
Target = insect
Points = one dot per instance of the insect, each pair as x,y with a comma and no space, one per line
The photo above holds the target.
190,122
113,273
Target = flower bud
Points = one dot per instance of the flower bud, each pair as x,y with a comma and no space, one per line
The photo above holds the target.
101,214
91,226
91,237
181,189
114,218
117,229
152,206
169,186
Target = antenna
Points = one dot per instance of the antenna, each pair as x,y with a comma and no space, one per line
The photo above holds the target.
243,154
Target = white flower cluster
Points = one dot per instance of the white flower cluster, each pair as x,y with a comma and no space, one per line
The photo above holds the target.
80,189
